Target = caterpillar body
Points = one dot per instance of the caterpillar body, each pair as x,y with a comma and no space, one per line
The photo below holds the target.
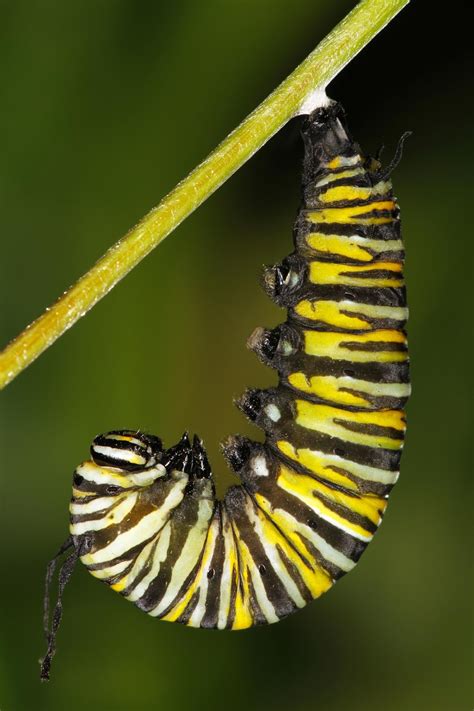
145,519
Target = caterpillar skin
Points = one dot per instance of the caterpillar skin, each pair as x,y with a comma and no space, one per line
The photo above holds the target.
145,520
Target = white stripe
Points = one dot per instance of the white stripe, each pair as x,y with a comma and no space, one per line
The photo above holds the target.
362,471
259,589
139,562
377,389
378,245
315,504
337,176
103,475
226,577
145,528
119,455
148,476
394,312
332,555
111,570
110,519
127,438
159,556
203,584
98,504
275,559
351,160
111,475
188,558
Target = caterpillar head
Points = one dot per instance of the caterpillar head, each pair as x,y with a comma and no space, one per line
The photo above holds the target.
125,461
121,461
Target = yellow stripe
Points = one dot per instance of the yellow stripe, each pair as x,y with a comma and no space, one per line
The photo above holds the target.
358,214
242,617
351,192
333,389
316,464
328,467
348,314
331,273
335,244
339,176
316,580
354,247
331,345
329,312
322,419
295,539
327,387
340,161
369,506
229,571
82,494
303,488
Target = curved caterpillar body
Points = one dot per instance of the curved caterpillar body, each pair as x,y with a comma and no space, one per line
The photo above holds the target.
145,520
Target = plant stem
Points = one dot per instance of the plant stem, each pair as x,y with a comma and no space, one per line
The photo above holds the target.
318,69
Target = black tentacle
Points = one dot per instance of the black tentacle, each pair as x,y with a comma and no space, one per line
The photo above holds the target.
65,573
384,174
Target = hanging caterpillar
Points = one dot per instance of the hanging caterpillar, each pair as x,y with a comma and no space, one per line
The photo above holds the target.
145,519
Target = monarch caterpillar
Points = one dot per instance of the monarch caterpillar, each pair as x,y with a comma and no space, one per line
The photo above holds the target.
145,519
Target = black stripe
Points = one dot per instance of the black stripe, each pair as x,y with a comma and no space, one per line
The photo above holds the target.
96,515
391,255
314,365
216,567
374,324
189,609
368,295
387,231
332,570
357,202
374,346
345,512
258,618
233,597
129,554
145,569
371,430
294,573
361,180
373,274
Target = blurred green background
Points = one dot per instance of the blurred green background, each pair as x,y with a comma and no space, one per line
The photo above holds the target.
105,106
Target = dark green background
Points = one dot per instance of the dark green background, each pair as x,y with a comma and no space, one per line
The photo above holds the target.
105,106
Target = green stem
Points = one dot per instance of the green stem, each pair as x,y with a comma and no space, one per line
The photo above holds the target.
318,69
